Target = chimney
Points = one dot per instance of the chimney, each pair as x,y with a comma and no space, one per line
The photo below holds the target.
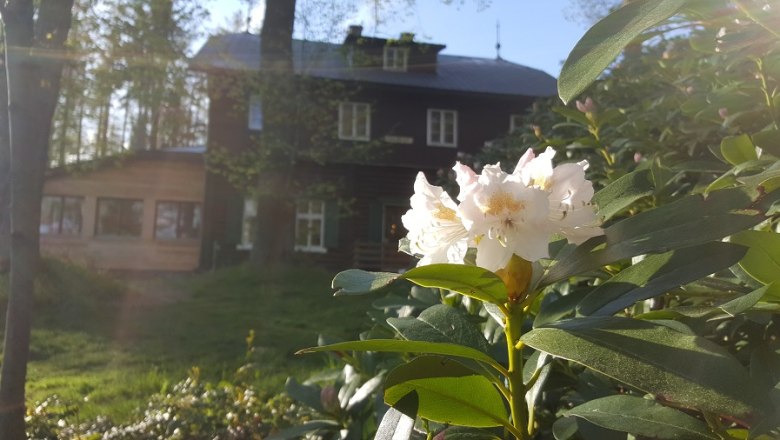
355,30
406,37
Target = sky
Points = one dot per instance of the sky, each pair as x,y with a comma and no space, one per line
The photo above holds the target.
532,32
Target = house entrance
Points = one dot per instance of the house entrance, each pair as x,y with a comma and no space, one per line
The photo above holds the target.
393,227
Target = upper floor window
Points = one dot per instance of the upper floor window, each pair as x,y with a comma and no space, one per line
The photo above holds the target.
119,217
310,226
515,123
255,113
442,128
396,58
60,215
354,121
177,221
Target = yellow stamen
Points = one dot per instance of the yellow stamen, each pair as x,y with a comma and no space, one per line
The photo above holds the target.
502,201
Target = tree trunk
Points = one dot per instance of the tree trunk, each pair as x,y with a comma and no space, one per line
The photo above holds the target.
33,71
5,174
273,238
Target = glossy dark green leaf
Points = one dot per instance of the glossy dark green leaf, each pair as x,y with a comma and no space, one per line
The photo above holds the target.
623,192
463,433
448,392
688,221
360,282
472,281
606,39
398,346
762,261
441,323
685,369
738,149
658,274
642,417
744,302
768,140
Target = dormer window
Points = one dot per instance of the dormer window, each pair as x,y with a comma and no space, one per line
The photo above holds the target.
396,58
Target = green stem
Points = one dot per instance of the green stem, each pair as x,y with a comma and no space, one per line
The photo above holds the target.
517,405
770,103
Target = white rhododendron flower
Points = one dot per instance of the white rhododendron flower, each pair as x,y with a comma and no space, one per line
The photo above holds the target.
504,217
569,194
502,214
435,228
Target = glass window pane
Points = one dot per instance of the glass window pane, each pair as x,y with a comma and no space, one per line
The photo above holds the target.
255,113
71,216
315,236
165,225
51,212
189,220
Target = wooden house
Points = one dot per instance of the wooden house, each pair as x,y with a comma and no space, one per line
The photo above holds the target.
421,108
141,212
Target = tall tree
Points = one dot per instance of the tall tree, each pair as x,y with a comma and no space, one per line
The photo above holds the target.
35,41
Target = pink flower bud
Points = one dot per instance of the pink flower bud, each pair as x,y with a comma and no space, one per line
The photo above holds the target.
329,398
586,107
723,112
637,157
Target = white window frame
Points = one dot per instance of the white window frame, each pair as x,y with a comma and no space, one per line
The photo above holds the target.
247,220
309,216
441,140
349,131
395,58
515,122
255,113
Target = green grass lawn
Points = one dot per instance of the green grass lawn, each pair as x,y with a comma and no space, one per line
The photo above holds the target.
109,355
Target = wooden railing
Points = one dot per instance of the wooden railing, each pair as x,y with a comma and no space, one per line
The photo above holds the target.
380,256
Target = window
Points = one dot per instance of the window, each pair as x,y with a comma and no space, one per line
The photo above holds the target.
255,113
119,218
354,121
310,226
442,128
177,221
396,58
248,224
60,215
515,123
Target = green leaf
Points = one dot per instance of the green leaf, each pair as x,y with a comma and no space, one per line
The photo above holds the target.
744,302
657,274
462,433
685,369
397,346
472,281
306,394
688,221
573,114
738,149
623,192
762,261
359,282
448,392
642,417
441,323
606,39
768,141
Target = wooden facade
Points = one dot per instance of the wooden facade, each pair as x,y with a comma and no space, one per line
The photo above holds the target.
152,181
359,225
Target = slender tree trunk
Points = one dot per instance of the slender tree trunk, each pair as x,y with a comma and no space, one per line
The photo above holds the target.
273,238
62,143
5,173
79,130
34,73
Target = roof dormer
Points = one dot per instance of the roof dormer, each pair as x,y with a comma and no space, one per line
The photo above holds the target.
391,55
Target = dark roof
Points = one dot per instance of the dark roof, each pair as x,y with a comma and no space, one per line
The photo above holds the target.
241,52
169,154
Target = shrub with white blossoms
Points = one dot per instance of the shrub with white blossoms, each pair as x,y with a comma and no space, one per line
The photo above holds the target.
502,214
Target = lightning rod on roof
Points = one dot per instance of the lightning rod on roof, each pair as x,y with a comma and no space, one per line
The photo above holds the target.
498,40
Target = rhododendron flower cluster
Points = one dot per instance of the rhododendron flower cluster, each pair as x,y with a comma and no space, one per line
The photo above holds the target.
502,214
